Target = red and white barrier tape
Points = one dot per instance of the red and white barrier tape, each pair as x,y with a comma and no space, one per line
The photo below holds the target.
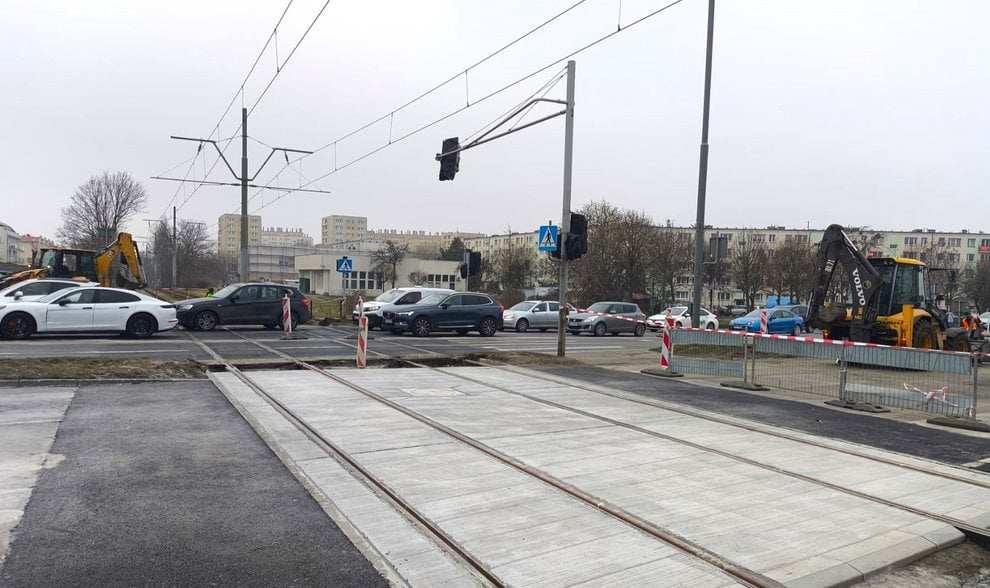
608,314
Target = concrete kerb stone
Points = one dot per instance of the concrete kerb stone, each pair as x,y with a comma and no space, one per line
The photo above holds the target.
960,423
745,386
23,383
661,373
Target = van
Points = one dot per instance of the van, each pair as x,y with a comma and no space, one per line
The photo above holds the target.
390,300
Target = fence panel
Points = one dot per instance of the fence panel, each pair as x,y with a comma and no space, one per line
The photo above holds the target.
710,353
801,366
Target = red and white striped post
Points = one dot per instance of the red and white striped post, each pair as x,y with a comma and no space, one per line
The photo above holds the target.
286,317
665,349
362,349
763,320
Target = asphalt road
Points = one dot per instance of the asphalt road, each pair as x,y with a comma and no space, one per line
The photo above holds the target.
232,343
166,484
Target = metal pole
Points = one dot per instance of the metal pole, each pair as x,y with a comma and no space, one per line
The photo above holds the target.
244,197
467,271
699,230
565,215
976,386
175,252
843,371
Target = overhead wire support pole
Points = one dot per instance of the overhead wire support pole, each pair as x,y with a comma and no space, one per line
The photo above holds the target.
565,215
699,228
244,180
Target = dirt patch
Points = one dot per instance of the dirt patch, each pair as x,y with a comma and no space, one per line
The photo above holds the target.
523,358
84,368
966,564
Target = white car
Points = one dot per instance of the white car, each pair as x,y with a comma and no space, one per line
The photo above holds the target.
681,319
87,309
34,289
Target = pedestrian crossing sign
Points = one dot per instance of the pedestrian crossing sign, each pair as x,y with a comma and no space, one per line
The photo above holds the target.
548,238
344,265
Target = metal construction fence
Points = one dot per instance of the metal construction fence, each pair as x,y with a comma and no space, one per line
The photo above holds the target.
941,382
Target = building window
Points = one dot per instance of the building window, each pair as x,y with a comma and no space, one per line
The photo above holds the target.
970,242
771,238
910,240
970,257
954,241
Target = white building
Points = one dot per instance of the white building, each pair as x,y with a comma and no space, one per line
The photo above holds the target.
10,245
279,237
229,233
338,228
320,271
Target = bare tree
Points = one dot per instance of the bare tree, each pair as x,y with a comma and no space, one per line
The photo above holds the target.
387,258
748,265
425,251
99,208
791,269
976,284
417,278
197,262
510,270
673,257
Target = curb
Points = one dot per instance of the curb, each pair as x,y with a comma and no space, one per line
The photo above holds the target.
91,382
958,423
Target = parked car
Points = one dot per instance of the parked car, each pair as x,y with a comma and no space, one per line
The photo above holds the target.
461,312
778,321
390,299
533,314
799,309
625,317
657,322
985,319
86,310
244,304
34,289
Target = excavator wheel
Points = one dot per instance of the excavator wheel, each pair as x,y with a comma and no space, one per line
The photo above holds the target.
958,341
924,335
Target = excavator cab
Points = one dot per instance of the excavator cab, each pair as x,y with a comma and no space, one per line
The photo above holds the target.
68,263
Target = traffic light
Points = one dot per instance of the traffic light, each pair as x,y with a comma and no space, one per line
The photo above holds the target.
450,163
577,237
463,268
474,263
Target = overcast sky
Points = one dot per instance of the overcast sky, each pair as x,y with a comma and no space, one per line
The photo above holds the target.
863,113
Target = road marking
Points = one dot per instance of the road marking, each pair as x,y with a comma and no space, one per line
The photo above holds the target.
977,463
203,346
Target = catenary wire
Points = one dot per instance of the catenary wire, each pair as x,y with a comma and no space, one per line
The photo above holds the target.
478,101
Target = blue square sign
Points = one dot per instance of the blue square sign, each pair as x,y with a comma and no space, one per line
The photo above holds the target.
548,238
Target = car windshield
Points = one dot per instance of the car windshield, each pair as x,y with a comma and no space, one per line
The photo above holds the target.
432,298
753,313
678,310
525,305
600,307
389,296
225,292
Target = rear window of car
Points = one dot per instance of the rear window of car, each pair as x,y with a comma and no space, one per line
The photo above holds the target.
114,296
630,308
475,300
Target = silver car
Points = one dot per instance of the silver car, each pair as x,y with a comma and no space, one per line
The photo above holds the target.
615,318
532,314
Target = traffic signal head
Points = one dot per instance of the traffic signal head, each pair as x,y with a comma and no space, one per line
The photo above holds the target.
577,237
474,263
463,268
450,158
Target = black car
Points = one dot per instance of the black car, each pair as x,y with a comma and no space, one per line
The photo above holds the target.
244,304
461,312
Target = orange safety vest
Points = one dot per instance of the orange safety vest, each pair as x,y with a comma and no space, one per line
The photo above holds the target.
965,324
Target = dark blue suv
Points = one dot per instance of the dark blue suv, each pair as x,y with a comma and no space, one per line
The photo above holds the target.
461,312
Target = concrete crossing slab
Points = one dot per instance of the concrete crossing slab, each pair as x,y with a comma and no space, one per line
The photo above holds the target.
791,530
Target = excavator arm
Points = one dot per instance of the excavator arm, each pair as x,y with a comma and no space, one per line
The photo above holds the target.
864,284
119,264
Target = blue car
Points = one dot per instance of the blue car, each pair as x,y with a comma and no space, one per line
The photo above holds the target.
778,321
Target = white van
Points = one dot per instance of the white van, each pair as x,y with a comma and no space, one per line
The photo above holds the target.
390,299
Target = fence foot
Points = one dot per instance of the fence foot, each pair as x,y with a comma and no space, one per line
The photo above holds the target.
960,423
370,337
661,373
745,386
292,337
853,405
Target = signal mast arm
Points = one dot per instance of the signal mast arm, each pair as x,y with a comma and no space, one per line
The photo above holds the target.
864,284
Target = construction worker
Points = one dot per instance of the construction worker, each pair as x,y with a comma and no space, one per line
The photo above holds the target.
965,323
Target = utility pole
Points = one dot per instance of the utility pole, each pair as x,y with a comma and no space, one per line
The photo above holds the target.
244,181
175,252
565,214
699,229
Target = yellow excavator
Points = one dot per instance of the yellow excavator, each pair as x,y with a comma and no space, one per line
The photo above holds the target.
117,265
891,303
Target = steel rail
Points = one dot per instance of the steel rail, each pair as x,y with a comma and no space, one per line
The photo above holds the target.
739,573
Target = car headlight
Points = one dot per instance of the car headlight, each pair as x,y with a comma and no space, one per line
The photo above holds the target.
185,306
406,313
372,308
508,316
589,319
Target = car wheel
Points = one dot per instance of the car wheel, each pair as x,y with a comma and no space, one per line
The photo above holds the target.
142,326
17,325
522,325
574,332
712,326
796,330
488,327
640,330
463,331
600,329
421,328
206,321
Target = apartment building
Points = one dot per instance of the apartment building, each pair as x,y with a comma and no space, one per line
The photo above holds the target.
229,233
491,244
10,245
279,237
29,247
420,241
338,228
